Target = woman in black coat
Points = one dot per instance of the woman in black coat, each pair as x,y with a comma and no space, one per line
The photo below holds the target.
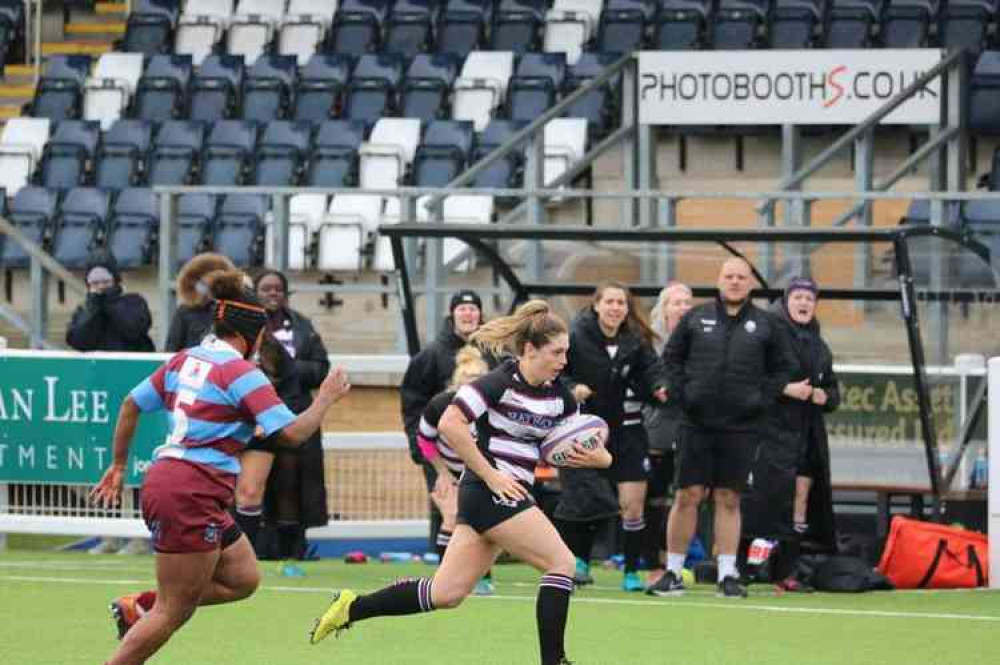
610,351
296,361
791,498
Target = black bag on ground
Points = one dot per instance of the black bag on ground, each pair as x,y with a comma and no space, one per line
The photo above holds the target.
840,574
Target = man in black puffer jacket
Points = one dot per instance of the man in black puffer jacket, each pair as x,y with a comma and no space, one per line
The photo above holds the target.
429,373
727,362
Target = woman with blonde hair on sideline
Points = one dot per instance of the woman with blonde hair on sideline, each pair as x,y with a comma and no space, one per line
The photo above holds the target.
514,407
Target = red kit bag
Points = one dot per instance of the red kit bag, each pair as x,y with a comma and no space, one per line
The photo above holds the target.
922,555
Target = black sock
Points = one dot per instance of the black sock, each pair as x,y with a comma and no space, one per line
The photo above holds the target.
404,597
443,538
248,518
579,537
633,543
291,540
488,575
551,611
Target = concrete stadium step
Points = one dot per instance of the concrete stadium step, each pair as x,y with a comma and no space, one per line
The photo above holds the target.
106,31
76,47
113,9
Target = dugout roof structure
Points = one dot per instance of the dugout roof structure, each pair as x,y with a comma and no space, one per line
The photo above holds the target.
484,241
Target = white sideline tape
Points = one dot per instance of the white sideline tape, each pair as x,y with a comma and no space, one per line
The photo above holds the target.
659,602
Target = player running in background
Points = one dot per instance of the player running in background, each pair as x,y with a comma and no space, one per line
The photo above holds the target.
514,407
215,398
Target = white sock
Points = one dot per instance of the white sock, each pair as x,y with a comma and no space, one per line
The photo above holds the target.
727,566
675,563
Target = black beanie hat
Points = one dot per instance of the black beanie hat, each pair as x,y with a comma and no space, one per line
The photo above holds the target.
465,297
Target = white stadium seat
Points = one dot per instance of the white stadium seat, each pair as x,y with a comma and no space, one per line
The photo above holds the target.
305,218
21,146
200,28
349,221
569,25
482,86
253,27
388,153
565,144
109,91
304,27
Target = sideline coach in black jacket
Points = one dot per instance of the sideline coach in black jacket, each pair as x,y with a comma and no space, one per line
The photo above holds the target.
726,363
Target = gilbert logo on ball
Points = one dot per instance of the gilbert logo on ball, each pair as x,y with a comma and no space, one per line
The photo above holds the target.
586,429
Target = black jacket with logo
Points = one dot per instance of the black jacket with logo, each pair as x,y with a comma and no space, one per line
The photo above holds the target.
635,365
727,371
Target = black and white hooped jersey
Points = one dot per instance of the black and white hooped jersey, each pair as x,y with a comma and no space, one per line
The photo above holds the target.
513,417
428,429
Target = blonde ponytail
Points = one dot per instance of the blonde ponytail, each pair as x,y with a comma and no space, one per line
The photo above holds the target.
532,322
469,366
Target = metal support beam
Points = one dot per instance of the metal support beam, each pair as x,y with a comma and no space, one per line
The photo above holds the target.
667,214
167,261
630,157
39,303
864,179
908,303
534,179
791,161
279,237
434,278
649,257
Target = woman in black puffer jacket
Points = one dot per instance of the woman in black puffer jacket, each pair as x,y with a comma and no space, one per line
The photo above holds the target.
610,351
791,498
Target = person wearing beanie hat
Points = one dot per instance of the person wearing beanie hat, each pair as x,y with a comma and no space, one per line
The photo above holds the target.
792,498
429,373
109,320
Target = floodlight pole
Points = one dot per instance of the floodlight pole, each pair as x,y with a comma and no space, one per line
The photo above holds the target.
908,303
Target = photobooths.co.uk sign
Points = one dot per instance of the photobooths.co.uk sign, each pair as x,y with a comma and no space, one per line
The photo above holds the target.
816,87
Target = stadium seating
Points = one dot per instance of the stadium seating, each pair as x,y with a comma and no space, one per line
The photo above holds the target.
227,159
121,157
135,219
565,144
238,229
281,153
427,86
108,92
68,154
268,88
461,26
201,27
305,217
342,237
150,26
984,94
21,146
162,92
535,85
33,213
304,28
60,90
176,153
253,27
320,88
387,155
481,88
371,94
195,224
442,154
215,88
81,224
506,172
333,161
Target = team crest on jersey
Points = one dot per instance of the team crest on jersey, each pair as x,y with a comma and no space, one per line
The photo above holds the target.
707,325
194,372
750,327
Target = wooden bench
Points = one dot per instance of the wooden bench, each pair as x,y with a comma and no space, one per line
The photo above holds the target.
884,494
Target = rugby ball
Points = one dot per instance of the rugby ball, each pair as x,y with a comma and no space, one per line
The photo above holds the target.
588,430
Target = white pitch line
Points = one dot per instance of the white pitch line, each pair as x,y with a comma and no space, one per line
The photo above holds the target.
727,605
